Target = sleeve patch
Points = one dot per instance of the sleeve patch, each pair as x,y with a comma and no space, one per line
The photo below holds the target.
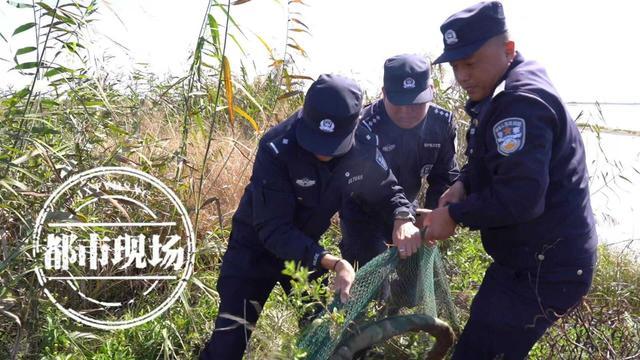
510,135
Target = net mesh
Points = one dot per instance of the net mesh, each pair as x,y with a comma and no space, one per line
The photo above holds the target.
385,286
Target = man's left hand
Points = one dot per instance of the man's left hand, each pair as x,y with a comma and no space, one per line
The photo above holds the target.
441,225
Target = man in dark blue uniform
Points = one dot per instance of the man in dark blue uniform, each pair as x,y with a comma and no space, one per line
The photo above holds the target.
417,138
525,187
305,168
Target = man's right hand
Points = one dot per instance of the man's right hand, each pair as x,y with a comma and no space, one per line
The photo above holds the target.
406,236
345,274
453,195
344,279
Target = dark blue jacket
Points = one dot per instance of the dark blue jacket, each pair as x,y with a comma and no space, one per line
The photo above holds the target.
526,178
292,196
427,150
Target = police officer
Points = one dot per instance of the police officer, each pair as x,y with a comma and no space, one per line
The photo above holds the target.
525,187
417,138
304,169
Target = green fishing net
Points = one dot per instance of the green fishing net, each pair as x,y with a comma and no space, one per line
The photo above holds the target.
385,287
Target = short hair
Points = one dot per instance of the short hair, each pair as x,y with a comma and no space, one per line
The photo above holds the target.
505,36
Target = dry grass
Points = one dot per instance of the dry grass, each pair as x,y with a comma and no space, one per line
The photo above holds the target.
226,171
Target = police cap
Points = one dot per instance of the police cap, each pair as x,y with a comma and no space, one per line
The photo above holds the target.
406,80
466,31
329,115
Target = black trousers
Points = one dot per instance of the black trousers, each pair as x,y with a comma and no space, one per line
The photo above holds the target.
245,282
513,309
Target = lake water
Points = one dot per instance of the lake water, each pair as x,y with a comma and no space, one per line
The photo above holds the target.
614,166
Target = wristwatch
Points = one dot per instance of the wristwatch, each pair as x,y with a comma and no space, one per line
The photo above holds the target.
405,215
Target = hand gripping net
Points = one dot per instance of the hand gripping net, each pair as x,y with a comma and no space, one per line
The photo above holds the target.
389,297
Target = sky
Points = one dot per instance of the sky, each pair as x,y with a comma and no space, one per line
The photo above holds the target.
590,48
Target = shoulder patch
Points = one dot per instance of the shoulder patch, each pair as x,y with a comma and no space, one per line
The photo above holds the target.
510,134
274,148
380,160
364,135
366,124
440,111
370,115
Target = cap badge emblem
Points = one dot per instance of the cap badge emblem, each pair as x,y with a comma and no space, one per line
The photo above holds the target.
408,83
450,37
327,126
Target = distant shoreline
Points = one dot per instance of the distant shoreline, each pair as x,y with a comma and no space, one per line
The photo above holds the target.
608,130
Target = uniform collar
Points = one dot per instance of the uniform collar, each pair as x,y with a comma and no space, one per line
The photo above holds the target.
502,83
474,108
302,153
499,88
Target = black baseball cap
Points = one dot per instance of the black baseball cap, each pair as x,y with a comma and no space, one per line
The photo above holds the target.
466,31
406,79
329,115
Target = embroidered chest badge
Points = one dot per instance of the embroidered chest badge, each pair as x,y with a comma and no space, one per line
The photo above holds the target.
426,170
306,182
388,147
510,135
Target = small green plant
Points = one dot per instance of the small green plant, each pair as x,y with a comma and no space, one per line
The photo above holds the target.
286,313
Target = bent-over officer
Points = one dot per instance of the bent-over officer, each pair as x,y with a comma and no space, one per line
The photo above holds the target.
304,169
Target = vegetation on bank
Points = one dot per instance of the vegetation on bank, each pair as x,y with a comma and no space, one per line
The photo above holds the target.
198,134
